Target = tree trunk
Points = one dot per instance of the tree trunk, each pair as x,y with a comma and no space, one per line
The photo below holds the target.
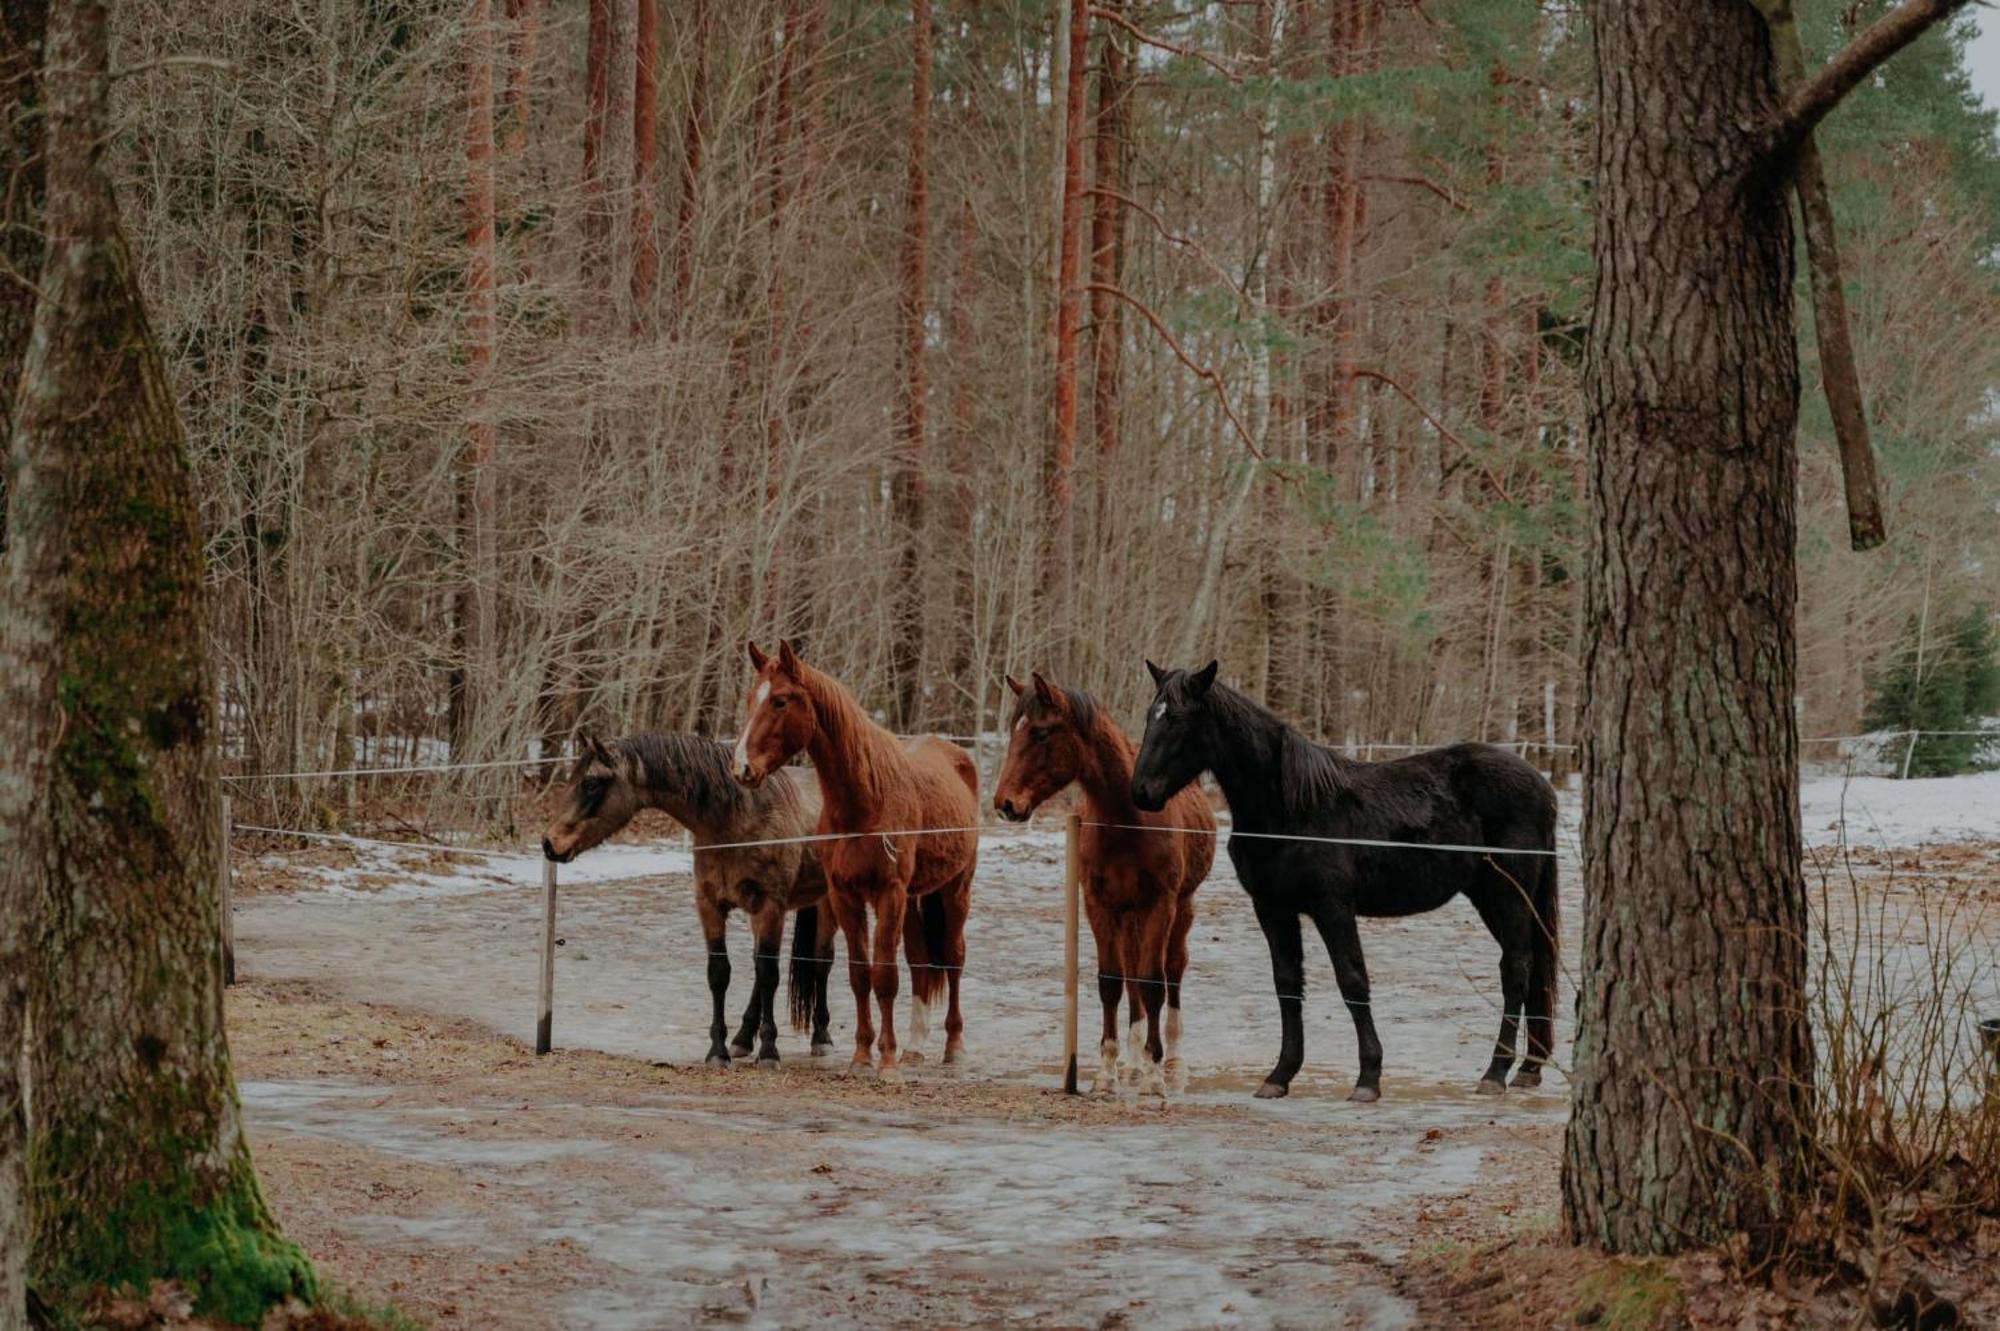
1694,1064
27,632
478,600
694,142
907,631
645,164
1069,316
140,1170
1107,312
525,20
619,161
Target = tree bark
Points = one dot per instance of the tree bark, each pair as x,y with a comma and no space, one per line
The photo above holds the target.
907,652
140,1170
28,553
478,600
619,162
694,142
1107,314
525,20
1059,550
1694,1065
645,165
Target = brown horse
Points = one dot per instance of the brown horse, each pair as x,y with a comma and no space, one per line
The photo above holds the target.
1138,887
687,778
875,790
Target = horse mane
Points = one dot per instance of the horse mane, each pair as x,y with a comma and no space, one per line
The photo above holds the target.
869,752
1301,774
693,767
1091,722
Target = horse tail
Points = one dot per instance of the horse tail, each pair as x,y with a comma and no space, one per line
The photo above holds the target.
927,976
802,976
1544,969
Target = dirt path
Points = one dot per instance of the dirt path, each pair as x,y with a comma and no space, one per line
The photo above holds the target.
431,1162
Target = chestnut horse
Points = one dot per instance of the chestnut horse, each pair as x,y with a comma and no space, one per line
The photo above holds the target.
875,788
1138,887
687,778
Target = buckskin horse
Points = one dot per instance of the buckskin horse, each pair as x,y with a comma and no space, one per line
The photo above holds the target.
1279,783
687,778
904,816
1138,886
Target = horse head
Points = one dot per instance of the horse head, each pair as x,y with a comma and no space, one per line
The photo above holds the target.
601,798
1045,748
1176,748
780,720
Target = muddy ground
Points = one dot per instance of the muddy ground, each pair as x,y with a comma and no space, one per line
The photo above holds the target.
410,1138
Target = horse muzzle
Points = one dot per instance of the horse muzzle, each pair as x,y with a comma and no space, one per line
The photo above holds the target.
1007,810
1148,797
549,852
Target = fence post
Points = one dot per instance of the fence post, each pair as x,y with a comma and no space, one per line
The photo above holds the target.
542,1025
1910,753
227,882
1072,890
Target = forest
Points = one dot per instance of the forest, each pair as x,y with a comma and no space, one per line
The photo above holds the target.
1243,509
518,403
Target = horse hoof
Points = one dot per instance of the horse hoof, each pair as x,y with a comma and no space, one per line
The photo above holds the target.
911,1055
1491,1086
821,1048
1104,1088
737,1050
1364,1095
717,1060
1176,1074
891,1074
954,1053
1271,1090
1525,1079
768,1061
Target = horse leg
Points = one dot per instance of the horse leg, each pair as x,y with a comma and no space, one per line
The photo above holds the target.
1110,988
770,936
957,901
822,1035
916,951
1177,960
853,914
1516,962
1288,977
1132,965
740,1044
1150,932
1337,928
892,904
714,915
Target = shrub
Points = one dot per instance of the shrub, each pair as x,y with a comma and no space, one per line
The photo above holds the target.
1947,681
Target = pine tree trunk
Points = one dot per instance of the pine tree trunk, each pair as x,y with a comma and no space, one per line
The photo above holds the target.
1059,549
27,644
1694,1065
619,160
478,602
645,164
139,1170
1107,312
694,142
907,651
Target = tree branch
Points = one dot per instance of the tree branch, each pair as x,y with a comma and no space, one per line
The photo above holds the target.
1809,103
1175,238
1203,372
1436,424
1145,38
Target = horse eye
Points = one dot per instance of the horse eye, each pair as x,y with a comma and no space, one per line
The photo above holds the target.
1039,734
777,704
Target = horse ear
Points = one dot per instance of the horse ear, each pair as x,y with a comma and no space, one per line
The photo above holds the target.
1199,682
1016,685
757,657
1159,675
594,746
788,660
1046,691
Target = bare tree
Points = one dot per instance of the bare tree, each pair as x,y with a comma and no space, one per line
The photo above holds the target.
915,316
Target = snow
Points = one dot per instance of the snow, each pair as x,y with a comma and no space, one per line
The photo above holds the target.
1880,811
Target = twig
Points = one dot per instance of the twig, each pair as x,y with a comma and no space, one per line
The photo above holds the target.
1436,424
1145,38
1425,182
1175,238
1203,372
215,63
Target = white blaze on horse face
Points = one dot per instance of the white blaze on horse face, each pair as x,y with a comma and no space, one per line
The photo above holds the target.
741,759
1159,710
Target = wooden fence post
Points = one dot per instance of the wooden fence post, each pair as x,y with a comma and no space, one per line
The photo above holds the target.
1072,891
227,877
542,1025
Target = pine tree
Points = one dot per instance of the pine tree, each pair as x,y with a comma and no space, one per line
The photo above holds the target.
1944,689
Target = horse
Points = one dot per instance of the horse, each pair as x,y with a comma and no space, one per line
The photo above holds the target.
687,778
1138,886
905,815
1278,782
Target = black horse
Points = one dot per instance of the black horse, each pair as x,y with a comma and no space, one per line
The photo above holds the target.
1279,782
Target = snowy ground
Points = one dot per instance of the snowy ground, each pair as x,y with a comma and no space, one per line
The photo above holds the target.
946,1204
